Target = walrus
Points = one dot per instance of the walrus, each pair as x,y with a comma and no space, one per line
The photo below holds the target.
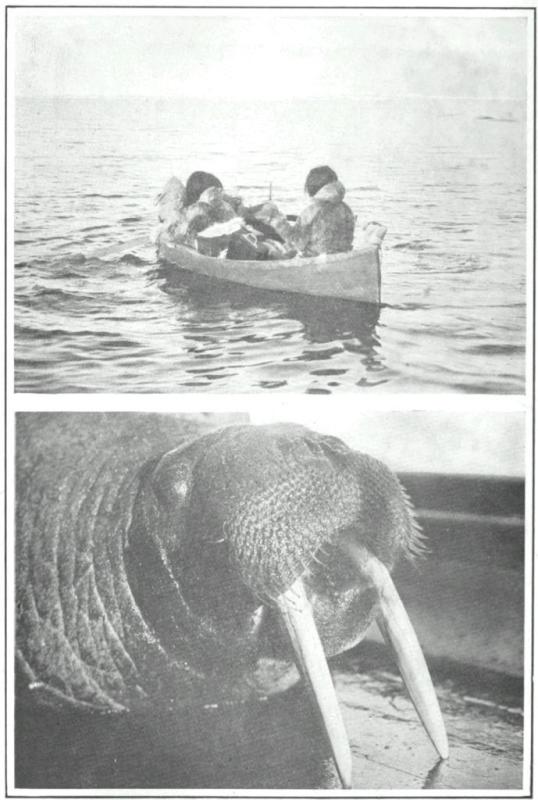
156,568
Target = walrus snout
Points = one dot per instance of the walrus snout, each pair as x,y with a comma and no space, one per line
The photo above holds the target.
149,571
254,522
241,514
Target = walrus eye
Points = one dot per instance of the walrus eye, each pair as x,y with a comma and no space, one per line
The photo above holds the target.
298,619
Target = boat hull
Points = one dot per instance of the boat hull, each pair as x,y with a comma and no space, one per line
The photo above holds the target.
348,276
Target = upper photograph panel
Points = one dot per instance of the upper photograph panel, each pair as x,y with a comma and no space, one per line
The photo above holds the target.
269,200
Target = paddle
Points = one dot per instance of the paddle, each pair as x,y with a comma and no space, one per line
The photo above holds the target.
219,229
122,247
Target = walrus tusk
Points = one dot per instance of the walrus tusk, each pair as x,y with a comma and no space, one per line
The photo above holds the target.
297,615
398,631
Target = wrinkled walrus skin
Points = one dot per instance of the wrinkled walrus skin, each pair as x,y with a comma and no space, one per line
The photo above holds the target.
148,562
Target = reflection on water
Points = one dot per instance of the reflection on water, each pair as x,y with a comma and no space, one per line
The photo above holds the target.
324,319
332,326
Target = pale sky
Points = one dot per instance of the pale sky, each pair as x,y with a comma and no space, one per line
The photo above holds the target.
452,442
267,55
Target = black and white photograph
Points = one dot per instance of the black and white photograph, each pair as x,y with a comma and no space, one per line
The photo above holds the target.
269,430
270,200
176,575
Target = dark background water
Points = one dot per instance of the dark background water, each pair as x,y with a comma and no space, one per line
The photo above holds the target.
447,177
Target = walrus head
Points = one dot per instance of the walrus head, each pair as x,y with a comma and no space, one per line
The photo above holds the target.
265,542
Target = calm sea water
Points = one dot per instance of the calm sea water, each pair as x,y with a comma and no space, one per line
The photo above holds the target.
447,177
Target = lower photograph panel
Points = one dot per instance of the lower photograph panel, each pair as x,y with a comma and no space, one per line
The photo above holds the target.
232,601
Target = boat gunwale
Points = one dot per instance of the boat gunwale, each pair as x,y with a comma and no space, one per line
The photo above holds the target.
296,261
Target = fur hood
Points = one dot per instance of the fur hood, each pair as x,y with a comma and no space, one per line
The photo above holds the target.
331,193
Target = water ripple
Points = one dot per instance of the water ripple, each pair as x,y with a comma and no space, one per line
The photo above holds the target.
453,313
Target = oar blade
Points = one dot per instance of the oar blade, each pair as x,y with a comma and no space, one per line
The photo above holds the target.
122,247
